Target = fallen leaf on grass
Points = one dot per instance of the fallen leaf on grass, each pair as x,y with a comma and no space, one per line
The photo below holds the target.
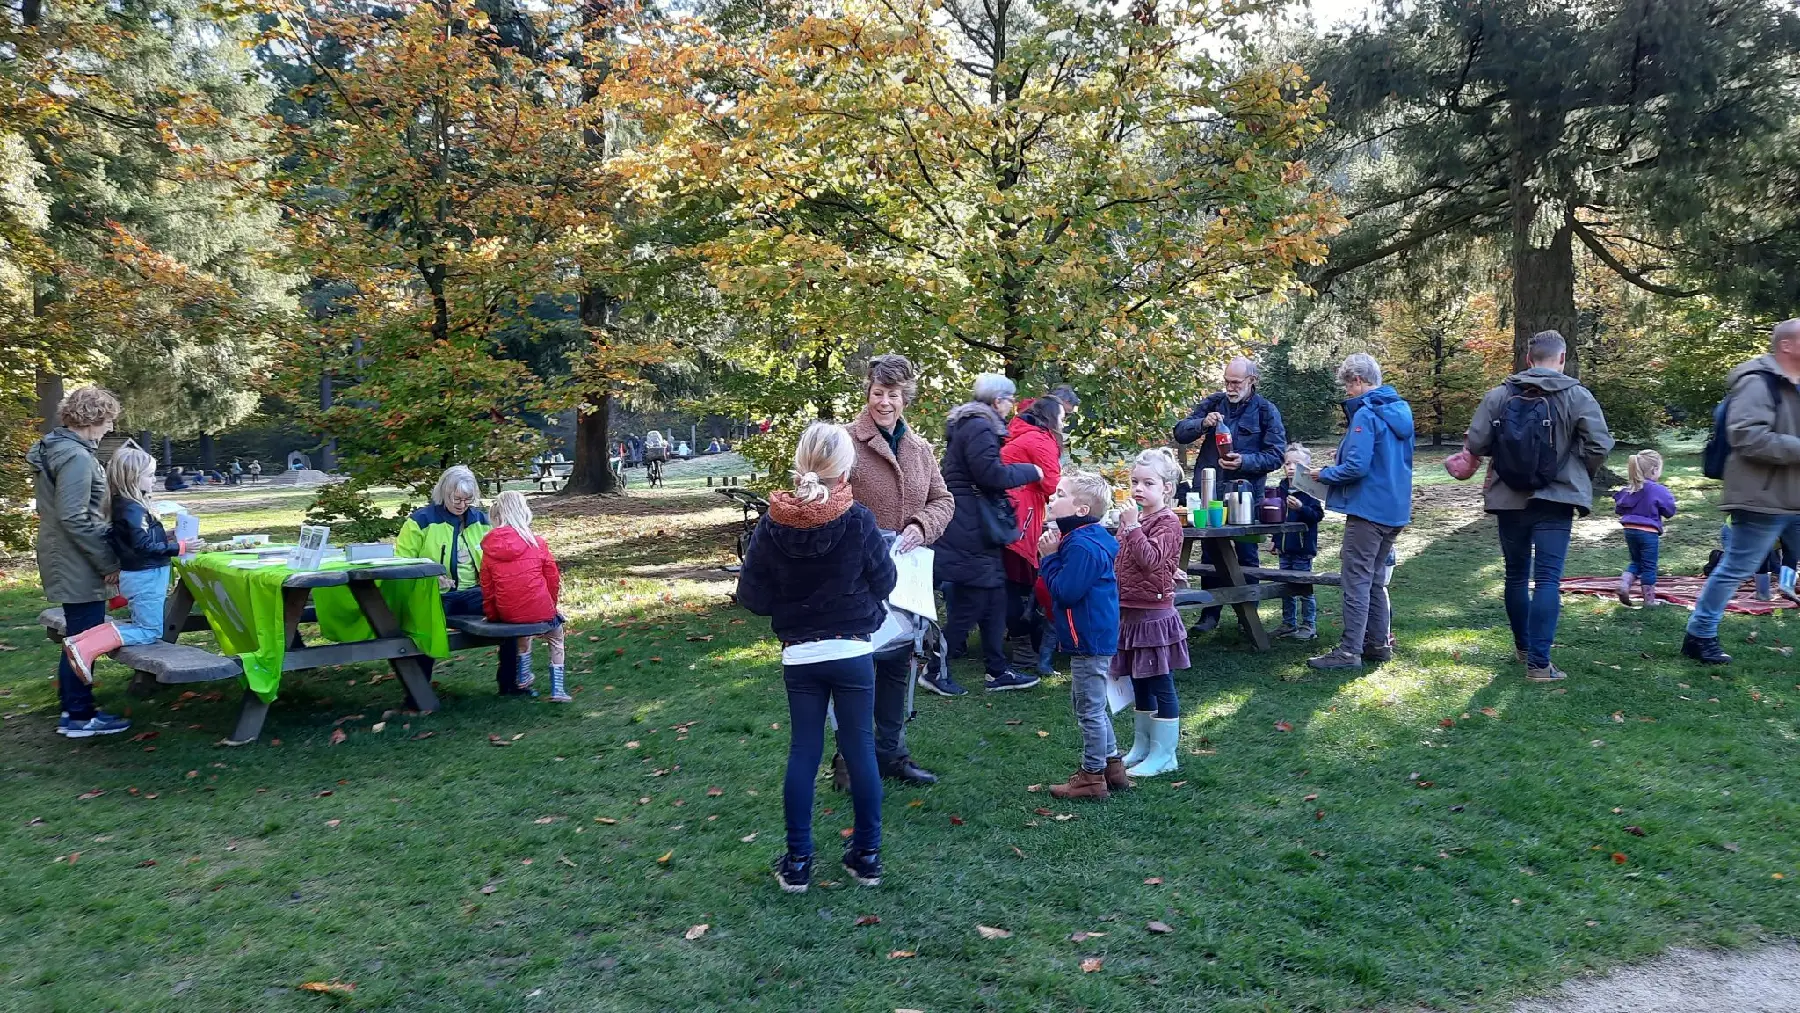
606,820
746,839
564,859
862,920
337,987
1015,722
1730,846
714,792
495,740
1158,928
337,736
633,744
1082,937
379,726
96,793
146,863
1041,811
1034,787
902,954
144,736
1177,784
846,833
1064,817
696,932
518,736
423,735
490,888
347,718
1043,734
956,821
1284,726
1016,851
1446,722
1490,712
1310,798
333,823
543,820
1153,881
664,858
1619,858
990,932
1635,831
1092,964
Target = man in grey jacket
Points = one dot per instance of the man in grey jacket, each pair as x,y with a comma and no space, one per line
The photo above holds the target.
1535,524
74,555
1762,481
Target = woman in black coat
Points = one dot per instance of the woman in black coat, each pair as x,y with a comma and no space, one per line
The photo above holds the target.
966,558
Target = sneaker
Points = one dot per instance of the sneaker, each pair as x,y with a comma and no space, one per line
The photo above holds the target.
1378,654
561,698
1303,633
1285,630
99,724
944,685
1338,658
794,873
1549,673
1010,679
1705,650
864,867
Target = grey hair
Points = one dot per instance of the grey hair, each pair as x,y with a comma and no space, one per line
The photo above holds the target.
1787,330
991,387
892,371
1360,366
455,479
1252,371
1545,347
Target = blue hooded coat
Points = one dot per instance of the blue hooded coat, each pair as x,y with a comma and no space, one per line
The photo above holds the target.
1372,478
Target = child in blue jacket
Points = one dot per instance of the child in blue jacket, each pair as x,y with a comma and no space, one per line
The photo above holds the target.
1076,561
1297,549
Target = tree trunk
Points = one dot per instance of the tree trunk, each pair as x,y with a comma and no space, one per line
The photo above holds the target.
49,395
327,442
592,472
207,456
1543,282
168,453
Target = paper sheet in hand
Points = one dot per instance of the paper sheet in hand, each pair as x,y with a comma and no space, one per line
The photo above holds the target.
1119,694
1304,482
913,589
187,527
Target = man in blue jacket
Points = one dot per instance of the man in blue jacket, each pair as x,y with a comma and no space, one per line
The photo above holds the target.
1258,445
1371,485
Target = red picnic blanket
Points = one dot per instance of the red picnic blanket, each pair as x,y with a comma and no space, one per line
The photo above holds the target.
1678,591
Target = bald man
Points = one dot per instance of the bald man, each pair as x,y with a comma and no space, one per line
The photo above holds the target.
1258,446
1762,481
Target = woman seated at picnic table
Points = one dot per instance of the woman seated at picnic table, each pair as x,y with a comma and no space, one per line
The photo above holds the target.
449,532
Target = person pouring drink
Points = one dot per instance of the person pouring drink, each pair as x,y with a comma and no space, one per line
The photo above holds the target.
1241,437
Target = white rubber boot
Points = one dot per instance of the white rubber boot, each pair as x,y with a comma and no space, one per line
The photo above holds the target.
1140,737
1164,734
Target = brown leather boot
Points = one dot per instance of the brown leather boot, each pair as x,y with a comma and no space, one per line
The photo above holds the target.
1081,784
1115,775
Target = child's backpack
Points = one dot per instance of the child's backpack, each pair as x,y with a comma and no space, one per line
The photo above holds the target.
1523,453
1718,445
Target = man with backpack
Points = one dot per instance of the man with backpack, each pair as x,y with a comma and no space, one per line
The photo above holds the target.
1545,438
1755,449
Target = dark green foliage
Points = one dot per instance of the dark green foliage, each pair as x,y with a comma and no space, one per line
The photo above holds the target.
1307,393
350,512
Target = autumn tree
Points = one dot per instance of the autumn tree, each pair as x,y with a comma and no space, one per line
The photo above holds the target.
1613,127
1059,190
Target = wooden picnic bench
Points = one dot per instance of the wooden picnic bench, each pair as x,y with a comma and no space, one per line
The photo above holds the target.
1238,592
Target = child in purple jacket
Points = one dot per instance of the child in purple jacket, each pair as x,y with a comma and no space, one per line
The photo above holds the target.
1642,506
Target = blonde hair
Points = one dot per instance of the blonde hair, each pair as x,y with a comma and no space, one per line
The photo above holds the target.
125,475
455,479
87,406
1161,462
1090,490
825,453
1643,466
511,510
1299,451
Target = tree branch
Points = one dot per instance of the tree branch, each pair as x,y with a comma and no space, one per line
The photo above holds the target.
1618,267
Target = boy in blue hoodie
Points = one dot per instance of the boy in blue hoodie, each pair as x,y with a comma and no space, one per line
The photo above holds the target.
1371,484
1297,549
1076,561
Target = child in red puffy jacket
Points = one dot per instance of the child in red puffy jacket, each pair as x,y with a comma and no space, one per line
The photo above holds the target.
520,584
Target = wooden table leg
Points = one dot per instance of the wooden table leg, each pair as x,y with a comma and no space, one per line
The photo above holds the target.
1246,610
293,605
1187,553
251,714
381,620
176,611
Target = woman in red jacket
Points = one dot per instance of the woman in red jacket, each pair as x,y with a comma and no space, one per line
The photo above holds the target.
1033,437
520,584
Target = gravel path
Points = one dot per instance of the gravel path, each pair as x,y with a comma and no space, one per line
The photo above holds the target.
1686,981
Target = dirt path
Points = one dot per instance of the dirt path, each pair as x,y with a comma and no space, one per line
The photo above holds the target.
1686,981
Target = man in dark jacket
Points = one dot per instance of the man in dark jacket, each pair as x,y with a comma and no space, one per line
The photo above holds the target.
1535,524
966,557
1258,443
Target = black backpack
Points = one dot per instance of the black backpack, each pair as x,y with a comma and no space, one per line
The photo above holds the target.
1718,445
1523,453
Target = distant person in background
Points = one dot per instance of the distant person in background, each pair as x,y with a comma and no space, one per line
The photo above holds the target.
174,481
75,557
255,469
237,471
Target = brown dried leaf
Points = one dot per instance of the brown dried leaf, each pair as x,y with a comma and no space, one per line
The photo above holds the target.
423,735
1064,817
338,736
1034,787
714,792
1635,831
990,932
862,920
1490,712
605,820
1153,881
1284,726
333,987
664,858
956,821
96,793
333,823
1043,734
1092,964
1158,928
902,954
696,932
490,888
1082,937
747,838
1310,798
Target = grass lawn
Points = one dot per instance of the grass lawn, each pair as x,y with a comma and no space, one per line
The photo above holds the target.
1431,833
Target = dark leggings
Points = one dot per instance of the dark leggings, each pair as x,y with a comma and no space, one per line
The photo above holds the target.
1157,693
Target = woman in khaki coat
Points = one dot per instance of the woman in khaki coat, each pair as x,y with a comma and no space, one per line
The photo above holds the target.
896,476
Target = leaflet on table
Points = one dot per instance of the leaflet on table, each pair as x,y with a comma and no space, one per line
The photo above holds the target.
311,550
913,587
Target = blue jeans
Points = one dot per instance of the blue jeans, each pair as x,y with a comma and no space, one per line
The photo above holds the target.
1645,548
848,686
146,590
1157,693
77,696
1301,607
1752,536
1535,543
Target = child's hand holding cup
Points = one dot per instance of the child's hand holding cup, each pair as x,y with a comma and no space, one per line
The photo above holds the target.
1050,540
1128,515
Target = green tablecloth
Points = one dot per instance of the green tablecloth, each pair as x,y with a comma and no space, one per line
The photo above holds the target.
243,607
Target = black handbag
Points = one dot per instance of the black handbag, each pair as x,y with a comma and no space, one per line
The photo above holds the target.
999,522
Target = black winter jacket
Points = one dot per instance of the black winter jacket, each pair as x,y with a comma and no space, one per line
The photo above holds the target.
971,466
1303,544
817,570
138,537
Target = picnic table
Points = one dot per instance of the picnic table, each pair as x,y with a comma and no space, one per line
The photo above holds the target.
1237,591
379,610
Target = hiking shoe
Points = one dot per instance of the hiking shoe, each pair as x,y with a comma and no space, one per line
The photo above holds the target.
1549,673
1116,779
87,728
943,684
1378,654
1286,629
1010,679
905,771
1705,650
1337,658
1302,633
794,873
1519,656
863,866
1083,784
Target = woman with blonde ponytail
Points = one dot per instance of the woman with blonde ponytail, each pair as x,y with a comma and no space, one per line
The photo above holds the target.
818,566
1642,507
